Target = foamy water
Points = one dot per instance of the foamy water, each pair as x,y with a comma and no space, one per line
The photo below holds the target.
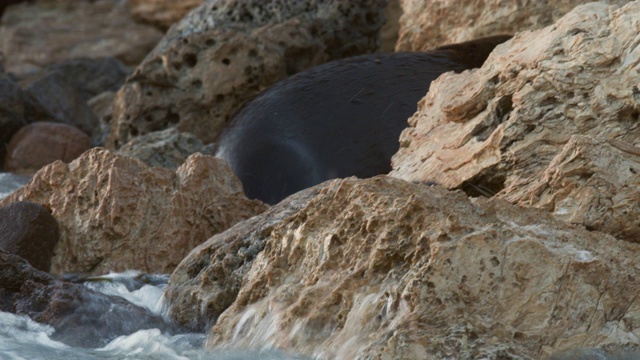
10,182
22,338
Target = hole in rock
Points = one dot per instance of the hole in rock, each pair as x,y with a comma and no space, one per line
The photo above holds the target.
486,184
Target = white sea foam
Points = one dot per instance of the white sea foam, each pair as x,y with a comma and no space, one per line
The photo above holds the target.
24,339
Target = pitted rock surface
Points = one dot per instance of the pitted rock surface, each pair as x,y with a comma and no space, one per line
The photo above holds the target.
549,121
35,34
382,268
428,24
225,52
115,213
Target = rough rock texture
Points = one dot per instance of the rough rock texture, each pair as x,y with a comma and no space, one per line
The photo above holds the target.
11,110
60,92
115,213
161,13
549,121
428,24
226,51
207,281
28,230
168,148
80,316
33,35
382,268
42,143
102,107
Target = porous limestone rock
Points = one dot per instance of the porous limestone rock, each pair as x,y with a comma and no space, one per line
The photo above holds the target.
385,269
207,281
168,148
428,24
115,213
549,121
161,13
34,34
226,51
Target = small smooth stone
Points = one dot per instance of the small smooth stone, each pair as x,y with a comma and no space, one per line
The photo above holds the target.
42,143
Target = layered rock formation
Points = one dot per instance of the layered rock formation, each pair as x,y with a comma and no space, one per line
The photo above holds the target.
225,52
428,24
549,121
382,268
115,213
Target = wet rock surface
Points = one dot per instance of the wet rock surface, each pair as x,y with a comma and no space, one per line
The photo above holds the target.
35,34
42,143
382,268
535,124
28,230
115,213
428,24
80,316
207,281
225,52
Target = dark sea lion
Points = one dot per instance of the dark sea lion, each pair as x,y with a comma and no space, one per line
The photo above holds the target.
336,120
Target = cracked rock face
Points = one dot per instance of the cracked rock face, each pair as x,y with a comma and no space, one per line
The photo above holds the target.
116,213
549,121
428,24
225,52
382,268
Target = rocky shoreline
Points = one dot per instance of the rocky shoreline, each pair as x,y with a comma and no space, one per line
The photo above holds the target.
525,248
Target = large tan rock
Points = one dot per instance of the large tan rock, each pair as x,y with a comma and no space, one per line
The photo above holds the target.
428,24
226,51
548,121
34,34
161,13
385,269
115,213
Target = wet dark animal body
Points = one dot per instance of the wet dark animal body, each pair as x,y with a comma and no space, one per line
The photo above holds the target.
336,120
